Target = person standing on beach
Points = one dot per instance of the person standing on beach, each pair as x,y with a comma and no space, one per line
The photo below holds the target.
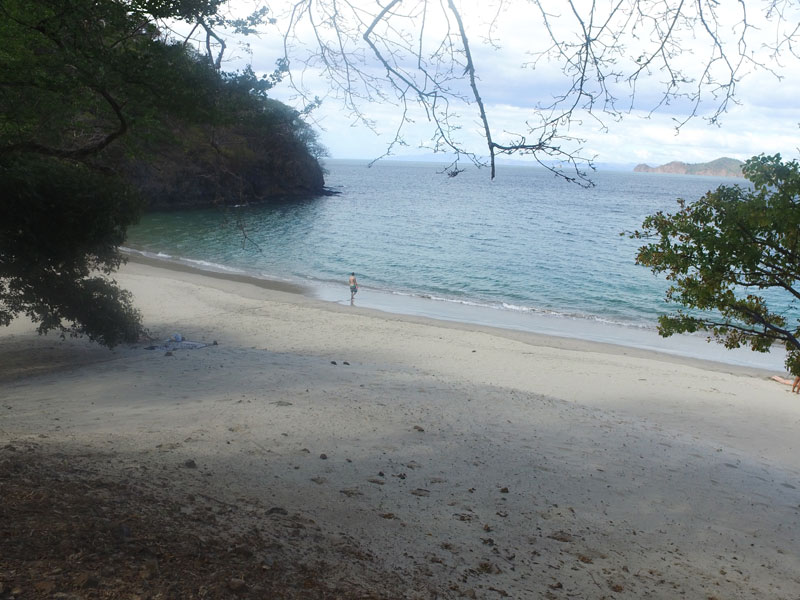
353,286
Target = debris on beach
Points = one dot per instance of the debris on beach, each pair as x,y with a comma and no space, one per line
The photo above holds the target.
178,342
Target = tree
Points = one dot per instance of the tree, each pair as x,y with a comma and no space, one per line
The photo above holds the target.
597,60
78,74
725,252
60,224
78,79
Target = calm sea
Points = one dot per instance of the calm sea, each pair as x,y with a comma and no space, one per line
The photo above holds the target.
526,251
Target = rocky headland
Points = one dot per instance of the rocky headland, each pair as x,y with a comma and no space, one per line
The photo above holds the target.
721,167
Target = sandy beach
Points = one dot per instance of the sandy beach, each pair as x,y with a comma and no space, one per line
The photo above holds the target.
410,458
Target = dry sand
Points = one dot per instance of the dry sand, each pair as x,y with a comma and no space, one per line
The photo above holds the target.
472,462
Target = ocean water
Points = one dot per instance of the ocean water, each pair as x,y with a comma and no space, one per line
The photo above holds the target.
526,251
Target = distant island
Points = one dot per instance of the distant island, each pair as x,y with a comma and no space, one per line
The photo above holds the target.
722,167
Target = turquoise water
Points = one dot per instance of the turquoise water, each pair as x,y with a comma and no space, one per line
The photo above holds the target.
525,251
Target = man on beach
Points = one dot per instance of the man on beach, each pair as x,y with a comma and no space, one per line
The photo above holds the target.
353,286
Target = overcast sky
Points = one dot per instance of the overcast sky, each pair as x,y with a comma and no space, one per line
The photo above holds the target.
765,120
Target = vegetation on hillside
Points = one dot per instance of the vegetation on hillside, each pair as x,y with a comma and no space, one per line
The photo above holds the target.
99,110
256,148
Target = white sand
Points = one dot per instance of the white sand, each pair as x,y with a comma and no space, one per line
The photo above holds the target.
472,461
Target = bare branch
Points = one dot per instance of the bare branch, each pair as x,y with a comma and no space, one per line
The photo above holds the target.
614,58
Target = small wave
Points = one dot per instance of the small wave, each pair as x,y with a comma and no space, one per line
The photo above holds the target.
459,301
200,264
517,307
212,266
499,305
290,284
145,253
576,316
635,325
542,311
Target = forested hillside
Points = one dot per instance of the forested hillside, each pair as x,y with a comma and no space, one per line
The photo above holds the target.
257,149
105,111
98,83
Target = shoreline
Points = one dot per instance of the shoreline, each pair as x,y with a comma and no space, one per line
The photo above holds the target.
442,459
174,265
529,336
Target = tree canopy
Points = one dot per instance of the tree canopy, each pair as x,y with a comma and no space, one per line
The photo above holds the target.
725,252
88,89
78,74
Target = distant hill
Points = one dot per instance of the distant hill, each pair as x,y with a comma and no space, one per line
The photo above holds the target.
722,167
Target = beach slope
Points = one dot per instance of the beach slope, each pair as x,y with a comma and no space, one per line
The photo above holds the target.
313,450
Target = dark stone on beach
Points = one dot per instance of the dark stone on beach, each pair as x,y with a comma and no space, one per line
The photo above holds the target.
167,353
277,510
150,569
190,464
333,362
323,456
86,580
561,536
121,532
236,585
346,363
